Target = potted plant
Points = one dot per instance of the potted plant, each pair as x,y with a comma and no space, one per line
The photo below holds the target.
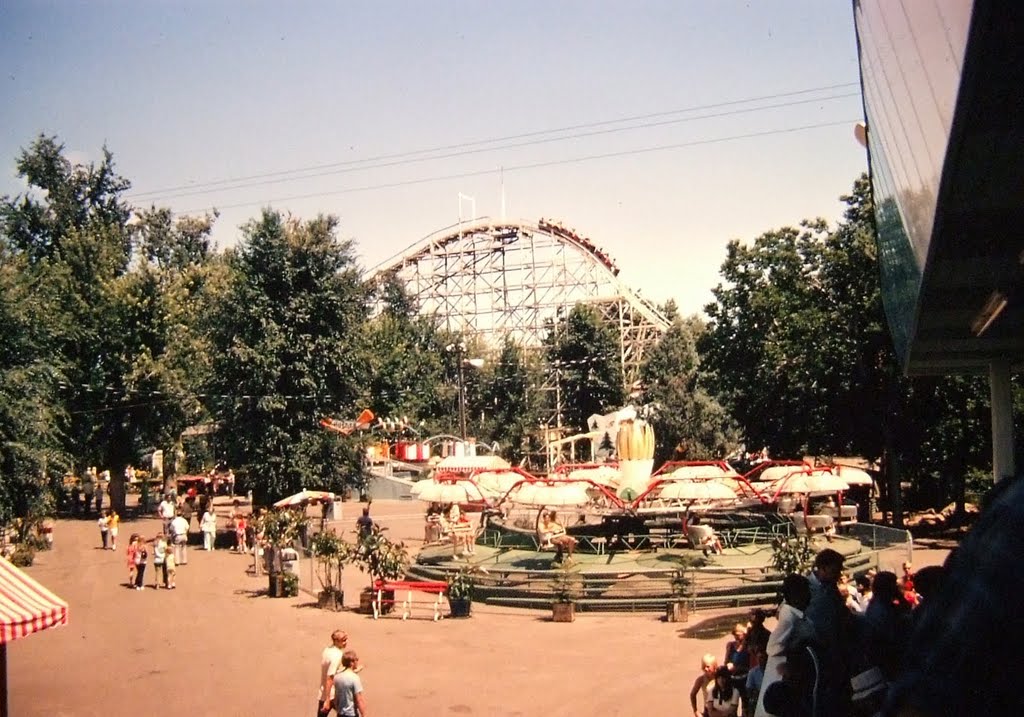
566,588
383,560
678,609
289,585
278,529
461,588
792,555
331,553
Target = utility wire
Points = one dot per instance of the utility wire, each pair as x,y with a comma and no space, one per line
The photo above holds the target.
517,145
525,135
524,167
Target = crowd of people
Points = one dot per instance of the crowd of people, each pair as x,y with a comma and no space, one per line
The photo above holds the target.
168,549
88,492
837,647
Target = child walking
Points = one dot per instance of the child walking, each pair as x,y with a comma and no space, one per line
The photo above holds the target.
240,528
133,546
141,557
113,519
172,570
160,553
104,525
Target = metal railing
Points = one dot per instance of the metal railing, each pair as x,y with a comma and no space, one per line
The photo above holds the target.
754,583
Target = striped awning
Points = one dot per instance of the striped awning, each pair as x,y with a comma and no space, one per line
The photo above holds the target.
25,605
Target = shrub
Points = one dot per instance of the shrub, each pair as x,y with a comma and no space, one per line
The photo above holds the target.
290,583
332,553
568,583
382,558
792,555
23,556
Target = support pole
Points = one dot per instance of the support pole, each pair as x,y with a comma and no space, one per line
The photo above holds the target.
462,399
3,680
1002,420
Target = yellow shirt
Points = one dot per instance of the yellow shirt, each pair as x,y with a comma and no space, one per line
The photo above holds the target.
114,520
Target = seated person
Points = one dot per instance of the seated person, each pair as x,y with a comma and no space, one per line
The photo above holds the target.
442,519
551,532
432,528
829,531
703,537
463,535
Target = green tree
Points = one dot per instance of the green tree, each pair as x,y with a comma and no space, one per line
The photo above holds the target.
510,400
163,306
32,414
70,229
126,300
63,199
286,353
760,349
582,353
688,422
403,354
799,348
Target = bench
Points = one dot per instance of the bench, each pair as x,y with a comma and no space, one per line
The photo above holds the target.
433,587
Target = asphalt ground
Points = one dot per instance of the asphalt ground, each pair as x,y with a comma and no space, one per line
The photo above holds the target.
218,646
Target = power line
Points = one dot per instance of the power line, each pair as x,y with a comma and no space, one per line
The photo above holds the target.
538,133
524,167
517,145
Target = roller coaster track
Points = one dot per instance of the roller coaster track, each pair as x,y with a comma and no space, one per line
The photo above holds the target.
497,279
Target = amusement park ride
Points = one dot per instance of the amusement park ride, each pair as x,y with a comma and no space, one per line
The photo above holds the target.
622,493
513,279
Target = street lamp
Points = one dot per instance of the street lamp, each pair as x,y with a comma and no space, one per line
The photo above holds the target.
475,363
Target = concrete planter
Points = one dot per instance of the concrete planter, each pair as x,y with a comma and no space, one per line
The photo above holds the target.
563,612
677,611
367,597
333,600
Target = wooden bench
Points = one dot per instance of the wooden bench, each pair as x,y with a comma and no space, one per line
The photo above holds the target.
433,587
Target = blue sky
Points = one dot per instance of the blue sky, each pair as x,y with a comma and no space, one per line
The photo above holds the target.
189,93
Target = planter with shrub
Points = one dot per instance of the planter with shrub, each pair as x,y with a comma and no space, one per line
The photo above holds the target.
383,560
332,553
566,589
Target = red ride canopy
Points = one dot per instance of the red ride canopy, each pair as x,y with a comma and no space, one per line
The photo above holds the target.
25,605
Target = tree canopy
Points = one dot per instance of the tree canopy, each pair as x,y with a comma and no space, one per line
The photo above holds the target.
284,355
583,354
123,326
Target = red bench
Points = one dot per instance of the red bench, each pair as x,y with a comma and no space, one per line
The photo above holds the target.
434,587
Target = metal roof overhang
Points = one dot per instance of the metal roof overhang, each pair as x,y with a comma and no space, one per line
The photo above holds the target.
976,256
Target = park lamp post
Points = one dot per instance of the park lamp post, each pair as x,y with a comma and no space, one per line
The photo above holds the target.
463,362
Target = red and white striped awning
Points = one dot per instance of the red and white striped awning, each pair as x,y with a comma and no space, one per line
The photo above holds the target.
25,605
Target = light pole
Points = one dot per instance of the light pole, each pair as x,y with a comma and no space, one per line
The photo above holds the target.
460,349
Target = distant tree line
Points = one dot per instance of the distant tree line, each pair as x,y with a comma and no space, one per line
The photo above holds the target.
121,326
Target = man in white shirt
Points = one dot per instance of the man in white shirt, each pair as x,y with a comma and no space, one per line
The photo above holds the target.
330,664
179,527
166,512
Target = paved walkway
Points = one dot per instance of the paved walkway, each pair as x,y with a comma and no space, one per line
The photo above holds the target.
218,646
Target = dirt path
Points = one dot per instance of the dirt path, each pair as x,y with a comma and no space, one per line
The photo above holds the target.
217,646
